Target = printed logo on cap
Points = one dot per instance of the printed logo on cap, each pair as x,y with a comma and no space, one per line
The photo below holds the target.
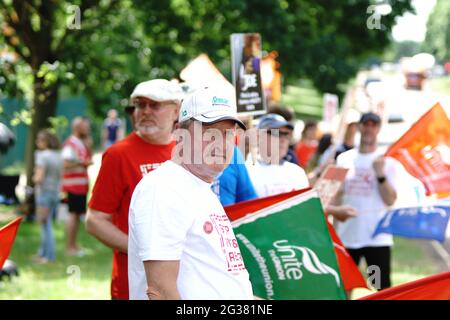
220,101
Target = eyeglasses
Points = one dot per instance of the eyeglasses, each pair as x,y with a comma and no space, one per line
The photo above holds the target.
278,133
129,109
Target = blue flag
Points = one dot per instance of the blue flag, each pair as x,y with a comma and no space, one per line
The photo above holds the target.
418,222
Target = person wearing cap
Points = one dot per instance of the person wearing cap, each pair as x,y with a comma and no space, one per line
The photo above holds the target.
181,243
154,111
271,174
370,188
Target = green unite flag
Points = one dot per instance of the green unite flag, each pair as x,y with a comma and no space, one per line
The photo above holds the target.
287,248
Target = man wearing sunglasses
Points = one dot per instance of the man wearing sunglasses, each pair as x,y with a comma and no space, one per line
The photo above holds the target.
154,110
271,174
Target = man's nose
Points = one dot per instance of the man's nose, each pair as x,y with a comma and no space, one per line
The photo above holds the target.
148,109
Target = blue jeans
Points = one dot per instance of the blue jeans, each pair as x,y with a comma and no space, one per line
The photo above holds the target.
49,200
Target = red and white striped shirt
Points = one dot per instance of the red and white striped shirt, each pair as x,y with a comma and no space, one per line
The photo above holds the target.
76,180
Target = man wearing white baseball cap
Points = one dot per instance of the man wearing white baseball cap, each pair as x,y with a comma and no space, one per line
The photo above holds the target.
154,111
181,243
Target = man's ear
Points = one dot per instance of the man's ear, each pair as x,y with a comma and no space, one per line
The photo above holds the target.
177,110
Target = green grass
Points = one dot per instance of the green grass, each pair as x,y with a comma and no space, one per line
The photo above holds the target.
410,262
441,85
58,280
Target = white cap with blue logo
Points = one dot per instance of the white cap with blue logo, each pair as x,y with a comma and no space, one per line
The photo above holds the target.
210,105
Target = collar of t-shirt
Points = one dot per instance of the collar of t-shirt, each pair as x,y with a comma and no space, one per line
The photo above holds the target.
140,140
264,163
189,175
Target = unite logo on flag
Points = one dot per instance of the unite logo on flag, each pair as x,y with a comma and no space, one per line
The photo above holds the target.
289,266
287,248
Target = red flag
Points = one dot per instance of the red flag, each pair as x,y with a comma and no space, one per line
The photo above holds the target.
423,150
351,276
435,287
7,236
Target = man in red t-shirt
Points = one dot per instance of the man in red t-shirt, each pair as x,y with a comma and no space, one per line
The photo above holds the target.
154,111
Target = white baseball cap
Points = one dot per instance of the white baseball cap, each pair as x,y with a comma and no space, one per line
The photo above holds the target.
158,90
210,105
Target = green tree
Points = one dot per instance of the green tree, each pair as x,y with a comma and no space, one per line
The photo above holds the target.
437,39
42,34
397,50
118,43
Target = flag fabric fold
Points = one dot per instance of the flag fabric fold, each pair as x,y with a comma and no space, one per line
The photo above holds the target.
418,222
436,287
7,236
287,247
424,151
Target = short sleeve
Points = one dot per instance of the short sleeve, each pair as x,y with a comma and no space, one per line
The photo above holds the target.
109,188
39,160
68,153
302,181
157,224
339,161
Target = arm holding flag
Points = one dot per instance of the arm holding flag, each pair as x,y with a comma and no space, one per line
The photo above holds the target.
387,192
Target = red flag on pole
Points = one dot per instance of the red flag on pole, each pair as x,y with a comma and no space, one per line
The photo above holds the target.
351,276
7,236
424,150
435,287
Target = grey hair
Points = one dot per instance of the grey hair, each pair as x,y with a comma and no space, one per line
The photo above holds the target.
186,124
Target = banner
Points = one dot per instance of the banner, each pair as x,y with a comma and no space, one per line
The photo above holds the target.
419,222
424,150
286,247
435,287
7,236
246,63
329,183
330,107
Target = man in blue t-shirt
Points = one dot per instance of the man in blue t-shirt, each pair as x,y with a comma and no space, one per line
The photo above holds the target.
234,184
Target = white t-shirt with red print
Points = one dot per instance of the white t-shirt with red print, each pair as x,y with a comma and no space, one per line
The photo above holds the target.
175,216
361,192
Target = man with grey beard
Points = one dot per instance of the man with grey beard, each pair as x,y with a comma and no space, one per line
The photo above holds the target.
154,111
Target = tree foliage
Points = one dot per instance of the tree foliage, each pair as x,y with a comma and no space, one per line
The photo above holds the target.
121,42
437,40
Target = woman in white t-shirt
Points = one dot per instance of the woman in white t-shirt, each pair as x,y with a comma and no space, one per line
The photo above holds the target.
270,174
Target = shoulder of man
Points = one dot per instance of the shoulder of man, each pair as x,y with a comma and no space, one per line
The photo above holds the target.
346,155
158,182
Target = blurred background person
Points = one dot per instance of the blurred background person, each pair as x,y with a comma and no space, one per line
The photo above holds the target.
322,155
47,179
308,143
271,174
288,114
349,139
77,157
113,129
